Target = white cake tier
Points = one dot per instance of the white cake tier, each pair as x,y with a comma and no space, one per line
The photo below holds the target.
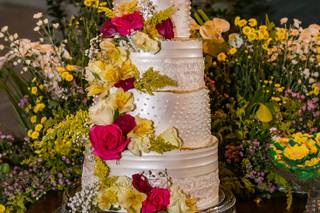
181,18
194,171
180,60
189,113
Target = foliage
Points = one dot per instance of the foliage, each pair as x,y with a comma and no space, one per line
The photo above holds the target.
161,146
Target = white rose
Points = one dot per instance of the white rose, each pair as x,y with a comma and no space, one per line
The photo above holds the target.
102,113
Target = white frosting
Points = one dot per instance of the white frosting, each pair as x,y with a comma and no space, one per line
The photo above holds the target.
181,18
195,171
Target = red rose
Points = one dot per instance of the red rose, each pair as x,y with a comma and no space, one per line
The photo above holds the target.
126,123
166,29
126,85
125,24
108,29
157,200
140,183
107,141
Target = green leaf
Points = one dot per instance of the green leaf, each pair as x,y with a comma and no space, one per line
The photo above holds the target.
264,114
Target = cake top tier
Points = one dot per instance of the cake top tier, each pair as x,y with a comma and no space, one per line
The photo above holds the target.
181,18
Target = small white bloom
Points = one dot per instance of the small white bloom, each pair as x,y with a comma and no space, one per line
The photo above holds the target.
306,72
19,61
15,63
294,62
312,80
25,69
46,21
55,25
316,74
4,29
1,47
28,62
15,36
39,23
36,29
284,20
37,15
41,39
1,35
296,23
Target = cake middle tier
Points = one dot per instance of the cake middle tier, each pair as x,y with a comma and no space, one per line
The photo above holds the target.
189,113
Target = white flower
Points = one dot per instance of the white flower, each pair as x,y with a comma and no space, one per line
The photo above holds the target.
102,113
306,72
25,69
171,136
39,23
137,146
37,15
1,35
41,39
36,29
237,40
46,21
1,47
4,29
284,20
296,23
55,25
28,62
15,36
178,202
316,74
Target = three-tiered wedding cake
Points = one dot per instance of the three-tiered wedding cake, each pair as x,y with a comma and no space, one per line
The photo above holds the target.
186,107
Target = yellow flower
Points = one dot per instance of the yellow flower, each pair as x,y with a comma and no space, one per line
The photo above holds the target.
34,90
69,77
144,42
246,30
144,128
96,89
318,139
70,67
171,136
122,101
300,137
232,51
253,22
237,21
296,152
242,23
38,127
116,55
43,119
39,107
251,37
276,99
128,70
41,86
33,119
312,146
126,7
35,135
61,69
222,56
281,34
277,85
318,50
263,28
2,208
105,198
281,89
29,133
110,75
312,162
131,200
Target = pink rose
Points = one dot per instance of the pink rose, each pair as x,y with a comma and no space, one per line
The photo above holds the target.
107,141
126,123
125,24
140,183
126,85
157,200
107,29
166,29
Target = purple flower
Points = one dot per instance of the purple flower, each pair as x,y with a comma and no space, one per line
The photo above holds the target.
23,102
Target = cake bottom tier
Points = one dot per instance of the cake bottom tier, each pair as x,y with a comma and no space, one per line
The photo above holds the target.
194,171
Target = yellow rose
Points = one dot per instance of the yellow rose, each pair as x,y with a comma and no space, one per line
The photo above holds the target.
144,42
143,128
300,137
122,101
171,136
131,199
105,198
214,28
102,113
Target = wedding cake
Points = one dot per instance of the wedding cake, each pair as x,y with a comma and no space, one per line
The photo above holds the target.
185,107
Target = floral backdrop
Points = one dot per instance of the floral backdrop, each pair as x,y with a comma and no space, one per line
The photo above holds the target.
264,85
